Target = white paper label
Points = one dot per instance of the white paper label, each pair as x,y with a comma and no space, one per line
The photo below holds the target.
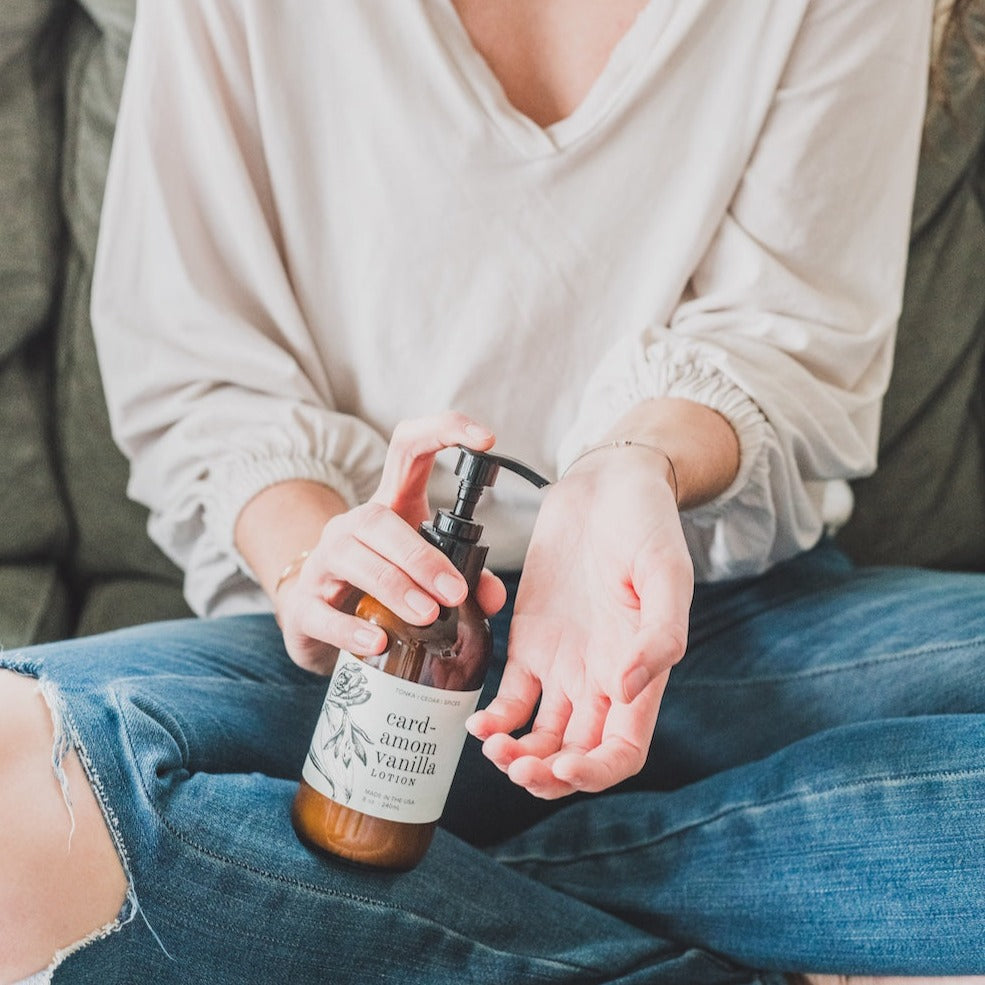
385,746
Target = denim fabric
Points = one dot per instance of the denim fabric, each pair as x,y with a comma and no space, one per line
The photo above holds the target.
814,800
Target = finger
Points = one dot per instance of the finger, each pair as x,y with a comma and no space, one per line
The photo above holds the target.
543,740
512,707
321,622
586,724
490,593
583,733
410,458
664,584
385,581
501,749
312,655
602,768
537,778
624,747
316,630
392,538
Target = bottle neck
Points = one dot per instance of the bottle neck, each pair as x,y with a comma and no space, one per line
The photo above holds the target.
466,554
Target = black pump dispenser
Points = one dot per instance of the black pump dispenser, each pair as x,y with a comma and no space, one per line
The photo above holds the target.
454,532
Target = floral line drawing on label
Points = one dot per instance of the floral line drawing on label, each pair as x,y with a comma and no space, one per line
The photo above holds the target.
345,738
386,746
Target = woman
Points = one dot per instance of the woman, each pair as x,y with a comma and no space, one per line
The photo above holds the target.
659,248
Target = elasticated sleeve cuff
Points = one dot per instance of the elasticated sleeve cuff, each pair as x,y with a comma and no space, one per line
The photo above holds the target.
236,481
638,371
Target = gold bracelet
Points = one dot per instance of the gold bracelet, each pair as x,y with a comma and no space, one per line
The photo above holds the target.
291,569
626,443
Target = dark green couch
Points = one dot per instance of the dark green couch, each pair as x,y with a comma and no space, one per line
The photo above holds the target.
74,555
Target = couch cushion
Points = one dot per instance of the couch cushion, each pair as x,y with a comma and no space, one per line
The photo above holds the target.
116,602
113,17
32,520
111,537
29,137
926,503
33,524
35,607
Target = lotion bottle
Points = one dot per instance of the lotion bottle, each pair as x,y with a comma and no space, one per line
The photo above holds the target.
392,727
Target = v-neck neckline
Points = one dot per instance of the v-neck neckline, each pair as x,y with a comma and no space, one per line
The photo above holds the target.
625,64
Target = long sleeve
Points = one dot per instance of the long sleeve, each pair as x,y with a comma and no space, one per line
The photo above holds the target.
787,324
213,383
314,228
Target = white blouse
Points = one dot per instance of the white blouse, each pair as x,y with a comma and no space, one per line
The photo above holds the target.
321,218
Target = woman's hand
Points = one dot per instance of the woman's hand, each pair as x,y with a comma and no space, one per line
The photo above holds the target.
601,617
376,548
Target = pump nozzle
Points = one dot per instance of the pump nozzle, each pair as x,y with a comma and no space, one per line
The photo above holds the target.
478,469
454,531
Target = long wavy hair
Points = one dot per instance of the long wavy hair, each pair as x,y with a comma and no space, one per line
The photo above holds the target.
956,22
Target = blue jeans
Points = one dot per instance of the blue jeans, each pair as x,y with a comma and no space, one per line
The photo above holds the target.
814,800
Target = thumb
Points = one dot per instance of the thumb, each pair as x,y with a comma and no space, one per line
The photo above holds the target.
410,459
664,593
653,651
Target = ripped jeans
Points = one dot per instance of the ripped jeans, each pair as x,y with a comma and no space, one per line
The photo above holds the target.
814,800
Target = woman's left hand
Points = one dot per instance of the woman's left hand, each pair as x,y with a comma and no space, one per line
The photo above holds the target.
601,617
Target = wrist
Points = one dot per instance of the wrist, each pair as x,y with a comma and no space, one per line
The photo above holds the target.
626,446
285,583
700,442
279,524
290,570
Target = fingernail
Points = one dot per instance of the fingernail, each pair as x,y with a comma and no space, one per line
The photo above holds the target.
477,432
635,681
366,638
449,587
419,602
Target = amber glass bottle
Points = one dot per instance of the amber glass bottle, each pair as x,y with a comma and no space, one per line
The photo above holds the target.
391,730
451,654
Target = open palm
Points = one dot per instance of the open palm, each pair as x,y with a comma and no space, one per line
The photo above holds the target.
601,617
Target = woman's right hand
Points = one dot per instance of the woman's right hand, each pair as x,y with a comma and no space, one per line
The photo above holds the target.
375,548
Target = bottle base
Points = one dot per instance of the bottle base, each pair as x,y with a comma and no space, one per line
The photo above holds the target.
339,832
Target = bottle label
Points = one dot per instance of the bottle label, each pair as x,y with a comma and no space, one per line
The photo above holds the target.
385,746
